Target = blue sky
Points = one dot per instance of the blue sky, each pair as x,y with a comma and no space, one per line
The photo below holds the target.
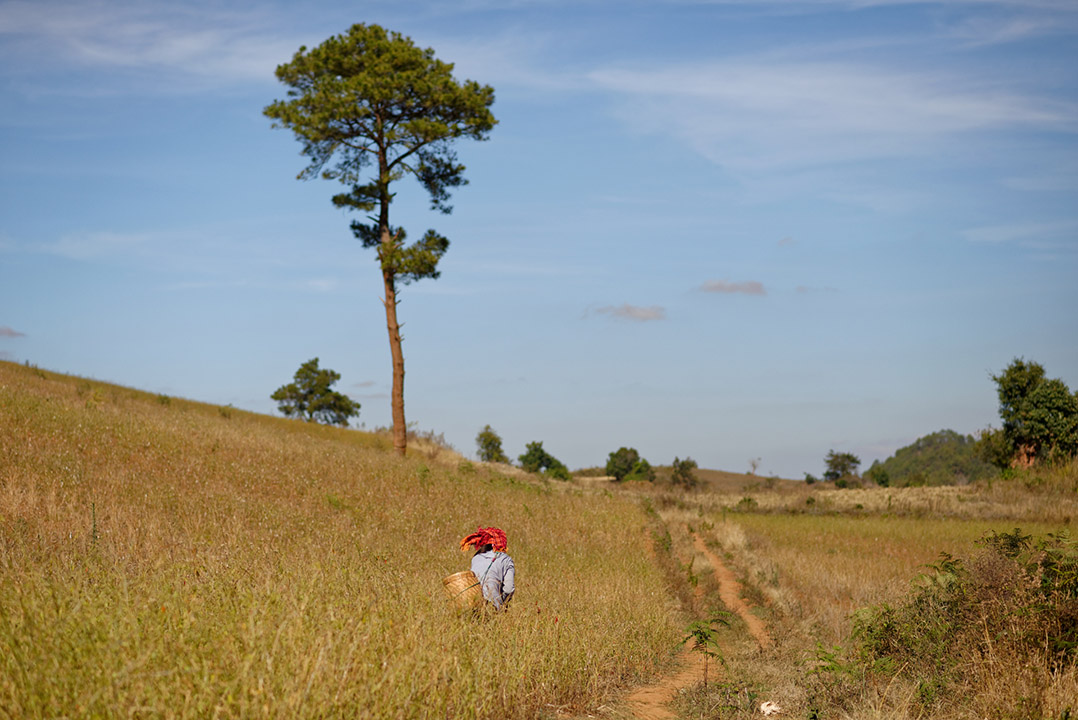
726,230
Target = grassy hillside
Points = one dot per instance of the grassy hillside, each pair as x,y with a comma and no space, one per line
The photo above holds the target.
165,558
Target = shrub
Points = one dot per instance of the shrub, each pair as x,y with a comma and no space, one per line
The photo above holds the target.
641,470
536,459
992,629
682,472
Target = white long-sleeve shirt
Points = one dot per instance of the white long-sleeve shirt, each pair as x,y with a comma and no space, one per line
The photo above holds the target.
496,576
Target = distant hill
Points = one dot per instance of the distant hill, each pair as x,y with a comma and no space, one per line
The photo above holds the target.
942,458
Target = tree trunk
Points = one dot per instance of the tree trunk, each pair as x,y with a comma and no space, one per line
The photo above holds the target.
389,277
400,429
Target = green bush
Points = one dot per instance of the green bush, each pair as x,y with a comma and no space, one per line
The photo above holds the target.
535,459
683,472
626,464
1013,608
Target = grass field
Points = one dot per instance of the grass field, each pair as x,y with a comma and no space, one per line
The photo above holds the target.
163,558
811,570
166,558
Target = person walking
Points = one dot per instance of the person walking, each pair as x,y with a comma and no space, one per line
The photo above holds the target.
492,565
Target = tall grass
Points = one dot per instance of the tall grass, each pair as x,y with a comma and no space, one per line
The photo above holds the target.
811,571
173,559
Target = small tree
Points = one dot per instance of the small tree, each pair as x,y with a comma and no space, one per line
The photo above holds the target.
683,472
536,459
1040,418
311,398
490,446
840,465
621,462
703,634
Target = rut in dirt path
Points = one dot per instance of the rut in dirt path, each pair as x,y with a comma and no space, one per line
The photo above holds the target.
653,701
730,593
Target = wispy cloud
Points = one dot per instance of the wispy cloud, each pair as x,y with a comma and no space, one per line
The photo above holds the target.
803,5
198,42
752,114
981,31
750,287
517,58
323,285
1046,180
633,312
1023,232
86,246
5,331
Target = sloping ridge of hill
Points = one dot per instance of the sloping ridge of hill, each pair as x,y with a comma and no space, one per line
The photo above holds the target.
160,556
940,458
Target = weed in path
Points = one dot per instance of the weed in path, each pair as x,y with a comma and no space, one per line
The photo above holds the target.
703,636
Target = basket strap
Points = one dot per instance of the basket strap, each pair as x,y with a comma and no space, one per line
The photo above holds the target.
496,554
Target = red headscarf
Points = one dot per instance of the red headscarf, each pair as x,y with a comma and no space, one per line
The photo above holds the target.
486,536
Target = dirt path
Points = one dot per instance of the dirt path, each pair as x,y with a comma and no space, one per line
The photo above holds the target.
652,702
730,593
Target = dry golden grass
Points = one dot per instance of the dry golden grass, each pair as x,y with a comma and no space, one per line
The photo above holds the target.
809,566
164,558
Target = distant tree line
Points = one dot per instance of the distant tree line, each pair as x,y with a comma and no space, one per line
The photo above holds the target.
622,465
1039,427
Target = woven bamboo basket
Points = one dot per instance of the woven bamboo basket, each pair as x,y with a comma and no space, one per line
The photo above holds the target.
463,590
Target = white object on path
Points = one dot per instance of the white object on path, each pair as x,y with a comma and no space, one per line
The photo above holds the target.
769,708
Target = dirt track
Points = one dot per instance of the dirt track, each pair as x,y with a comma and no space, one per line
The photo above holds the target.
730,594
652,702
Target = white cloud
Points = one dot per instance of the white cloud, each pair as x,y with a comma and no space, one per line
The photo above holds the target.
321,284
802,5
5,331
85,246
517,58
760,114
1023,232
1047,180
633,312
750,287
203,43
